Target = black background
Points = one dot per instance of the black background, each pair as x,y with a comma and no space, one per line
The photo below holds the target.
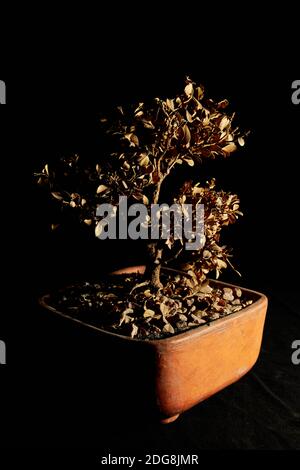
54,101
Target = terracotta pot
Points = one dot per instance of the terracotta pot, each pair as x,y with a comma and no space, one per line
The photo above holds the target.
169,376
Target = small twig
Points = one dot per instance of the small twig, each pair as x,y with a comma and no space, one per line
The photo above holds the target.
142,284
232,267
175,256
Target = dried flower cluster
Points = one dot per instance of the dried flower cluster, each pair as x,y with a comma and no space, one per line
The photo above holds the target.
146,143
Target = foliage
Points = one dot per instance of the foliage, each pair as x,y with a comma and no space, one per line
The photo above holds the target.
148,142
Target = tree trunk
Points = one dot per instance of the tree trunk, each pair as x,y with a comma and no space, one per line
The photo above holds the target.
155,277
153,268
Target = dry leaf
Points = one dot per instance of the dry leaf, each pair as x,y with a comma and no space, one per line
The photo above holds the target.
186,135
164,309
143,159
205,288
199,92
57,196
101,188
189,89
238,292
189,116
149,313
229,148
145,200
170,104
189,161
99,229
221,264
168,328
134,331
125,317
225,122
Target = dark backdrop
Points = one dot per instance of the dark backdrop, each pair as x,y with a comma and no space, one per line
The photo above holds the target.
53,110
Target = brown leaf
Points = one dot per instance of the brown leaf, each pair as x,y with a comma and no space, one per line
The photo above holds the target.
126,166
148,313
225,122
134,330
125,317
147,125
164,309
101,188
205,288
223,104
186,135
143,159
229,148
170,104
57,196
189,116
189,89
228,294
168,328
238,292
182,317
199,92
220,263
189,161
99,229
145,200
132,138
198,319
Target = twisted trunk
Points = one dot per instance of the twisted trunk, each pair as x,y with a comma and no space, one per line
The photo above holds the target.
153,268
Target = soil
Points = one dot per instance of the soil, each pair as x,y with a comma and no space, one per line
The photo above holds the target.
128,305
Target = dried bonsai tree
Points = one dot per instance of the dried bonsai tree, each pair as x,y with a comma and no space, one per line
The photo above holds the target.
148,143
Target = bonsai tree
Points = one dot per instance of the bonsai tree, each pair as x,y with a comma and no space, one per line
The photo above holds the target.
147,144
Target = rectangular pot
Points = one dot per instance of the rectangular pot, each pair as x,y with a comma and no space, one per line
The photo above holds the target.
168,376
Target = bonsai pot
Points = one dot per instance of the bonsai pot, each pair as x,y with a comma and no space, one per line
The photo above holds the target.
166,377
